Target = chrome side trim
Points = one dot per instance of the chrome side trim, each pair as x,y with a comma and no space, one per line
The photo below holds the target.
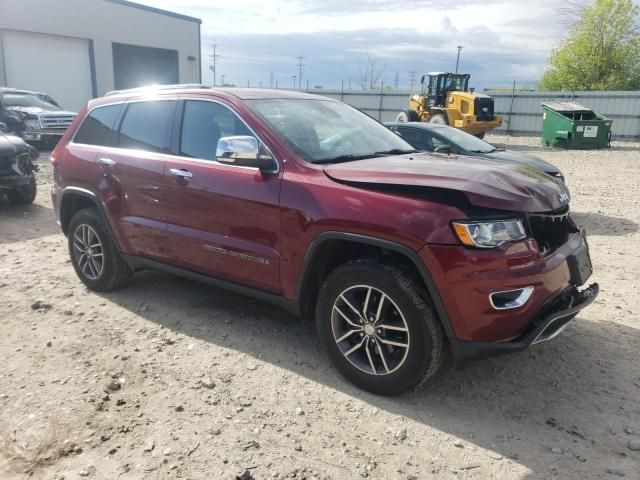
520,300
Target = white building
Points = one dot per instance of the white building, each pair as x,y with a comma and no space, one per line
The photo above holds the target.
75,50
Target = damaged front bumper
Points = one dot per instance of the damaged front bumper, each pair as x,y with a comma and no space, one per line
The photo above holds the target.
550,323
11,182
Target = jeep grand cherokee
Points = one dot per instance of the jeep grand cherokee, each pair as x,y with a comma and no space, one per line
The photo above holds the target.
308,203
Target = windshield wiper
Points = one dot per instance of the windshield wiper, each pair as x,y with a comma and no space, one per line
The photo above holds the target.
348,158
395,151
344,158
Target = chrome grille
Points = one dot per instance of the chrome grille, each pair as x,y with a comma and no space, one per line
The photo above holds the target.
57,122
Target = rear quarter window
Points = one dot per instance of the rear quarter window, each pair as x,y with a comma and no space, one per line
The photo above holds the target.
98,128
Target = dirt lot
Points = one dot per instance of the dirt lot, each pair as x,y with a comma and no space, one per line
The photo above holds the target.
171,379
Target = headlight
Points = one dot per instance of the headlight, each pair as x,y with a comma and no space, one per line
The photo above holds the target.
31,123
489,234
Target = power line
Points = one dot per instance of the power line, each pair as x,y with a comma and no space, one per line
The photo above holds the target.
412,77
214,61
300,65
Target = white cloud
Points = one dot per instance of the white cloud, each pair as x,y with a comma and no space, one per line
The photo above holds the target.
503,39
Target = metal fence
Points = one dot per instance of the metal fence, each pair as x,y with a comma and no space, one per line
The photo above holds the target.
521,111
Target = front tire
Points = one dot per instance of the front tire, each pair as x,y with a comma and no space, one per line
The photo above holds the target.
93,253
407,116
25,194
376,328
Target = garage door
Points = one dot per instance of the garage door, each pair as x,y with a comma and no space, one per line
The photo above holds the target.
58,66
136,66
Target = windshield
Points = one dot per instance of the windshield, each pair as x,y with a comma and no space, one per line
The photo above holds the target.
324,131
465,140
25,99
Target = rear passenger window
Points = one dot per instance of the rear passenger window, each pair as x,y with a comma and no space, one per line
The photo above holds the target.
203,124
98,128
146,126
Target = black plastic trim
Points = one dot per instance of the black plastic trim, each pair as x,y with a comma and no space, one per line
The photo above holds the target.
137,262
466,351
83,192
432,290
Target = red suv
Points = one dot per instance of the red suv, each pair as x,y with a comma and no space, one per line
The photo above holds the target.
308,203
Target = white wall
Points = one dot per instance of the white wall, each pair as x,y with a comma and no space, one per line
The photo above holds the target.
105,22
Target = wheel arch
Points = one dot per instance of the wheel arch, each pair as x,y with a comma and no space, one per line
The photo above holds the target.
315,267
74,199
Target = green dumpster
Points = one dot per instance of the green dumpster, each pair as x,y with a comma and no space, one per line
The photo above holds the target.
571,125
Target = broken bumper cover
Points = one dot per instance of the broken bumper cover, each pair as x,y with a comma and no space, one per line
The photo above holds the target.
545,327
9,182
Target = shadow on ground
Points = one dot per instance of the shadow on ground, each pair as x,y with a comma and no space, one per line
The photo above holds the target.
25,222
598,224
521,396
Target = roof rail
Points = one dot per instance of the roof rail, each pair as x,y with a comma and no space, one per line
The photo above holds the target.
153,88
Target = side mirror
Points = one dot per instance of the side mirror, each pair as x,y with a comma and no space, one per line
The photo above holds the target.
244,151
422,79
443,149
3,127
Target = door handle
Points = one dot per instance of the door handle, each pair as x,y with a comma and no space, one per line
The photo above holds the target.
106,161
177,172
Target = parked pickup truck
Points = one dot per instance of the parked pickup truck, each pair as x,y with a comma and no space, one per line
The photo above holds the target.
306,202
33,116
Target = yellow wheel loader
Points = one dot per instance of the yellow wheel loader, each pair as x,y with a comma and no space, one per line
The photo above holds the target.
446,99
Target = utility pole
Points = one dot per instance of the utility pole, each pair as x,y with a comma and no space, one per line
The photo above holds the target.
396,80
460,47
300,65
222,80
412,77
214,61
294,81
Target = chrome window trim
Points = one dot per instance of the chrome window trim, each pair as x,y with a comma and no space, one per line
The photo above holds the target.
210,100
172,156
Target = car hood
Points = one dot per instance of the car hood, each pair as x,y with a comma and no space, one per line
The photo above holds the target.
12,145
511,156
486,184
38,110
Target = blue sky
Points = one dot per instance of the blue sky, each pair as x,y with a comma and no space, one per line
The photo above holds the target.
258,40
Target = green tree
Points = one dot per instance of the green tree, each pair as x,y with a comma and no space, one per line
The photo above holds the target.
602,51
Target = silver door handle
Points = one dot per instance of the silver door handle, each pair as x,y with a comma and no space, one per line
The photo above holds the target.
176,172
106,161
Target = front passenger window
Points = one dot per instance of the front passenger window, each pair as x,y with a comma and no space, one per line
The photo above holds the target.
203,124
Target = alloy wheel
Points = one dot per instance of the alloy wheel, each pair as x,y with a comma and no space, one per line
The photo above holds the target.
88,251
370,330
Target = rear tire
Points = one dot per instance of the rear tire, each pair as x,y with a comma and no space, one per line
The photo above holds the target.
93,253
439,119
401,340
407,116
25,194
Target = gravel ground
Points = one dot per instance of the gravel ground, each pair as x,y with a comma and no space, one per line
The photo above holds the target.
172,379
